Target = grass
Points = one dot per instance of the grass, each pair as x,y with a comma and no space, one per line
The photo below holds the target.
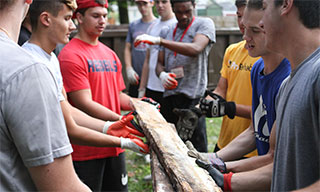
137,167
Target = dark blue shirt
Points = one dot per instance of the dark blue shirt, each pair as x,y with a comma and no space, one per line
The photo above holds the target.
264,91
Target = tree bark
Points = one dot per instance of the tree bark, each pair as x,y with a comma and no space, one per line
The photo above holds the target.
183,172
123,11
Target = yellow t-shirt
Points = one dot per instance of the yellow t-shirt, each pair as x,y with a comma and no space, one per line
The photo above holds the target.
236,69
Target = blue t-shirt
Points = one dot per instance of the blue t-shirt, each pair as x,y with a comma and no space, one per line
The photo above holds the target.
264,91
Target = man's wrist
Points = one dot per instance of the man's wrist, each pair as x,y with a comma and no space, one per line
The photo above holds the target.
106,126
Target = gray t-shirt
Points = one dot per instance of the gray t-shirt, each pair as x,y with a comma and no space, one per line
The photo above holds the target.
32,128
194,82
51,61
138,53
154,82
297,154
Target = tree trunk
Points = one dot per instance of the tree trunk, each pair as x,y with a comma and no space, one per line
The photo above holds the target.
123,11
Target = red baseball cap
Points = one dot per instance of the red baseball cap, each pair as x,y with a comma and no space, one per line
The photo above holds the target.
91,3
144,0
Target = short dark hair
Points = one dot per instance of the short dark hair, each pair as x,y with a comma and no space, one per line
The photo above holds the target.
240,3
179,1
309,11
6,3
51,6
255,4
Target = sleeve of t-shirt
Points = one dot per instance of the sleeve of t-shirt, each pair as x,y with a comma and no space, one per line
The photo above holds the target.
34,118
74,71
207,28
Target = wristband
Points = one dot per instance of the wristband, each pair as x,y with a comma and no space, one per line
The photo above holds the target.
227,181
106,126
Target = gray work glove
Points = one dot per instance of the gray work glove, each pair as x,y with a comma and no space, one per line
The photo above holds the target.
217,107
210,158
187,122
216,175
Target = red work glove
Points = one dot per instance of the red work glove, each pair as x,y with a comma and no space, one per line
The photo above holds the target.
147,39
168,80
120,128
132,123
135,145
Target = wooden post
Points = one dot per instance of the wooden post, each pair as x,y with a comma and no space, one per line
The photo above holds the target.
183,172
160,180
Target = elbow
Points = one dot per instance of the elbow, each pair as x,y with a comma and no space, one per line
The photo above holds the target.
270,154
195,51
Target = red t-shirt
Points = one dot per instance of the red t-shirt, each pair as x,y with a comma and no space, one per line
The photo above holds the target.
98,68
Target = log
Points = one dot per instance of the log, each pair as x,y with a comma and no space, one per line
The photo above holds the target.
160,180
183,172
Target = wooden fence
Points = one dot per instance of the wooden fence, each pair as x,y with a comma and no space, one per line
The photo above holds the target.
115,36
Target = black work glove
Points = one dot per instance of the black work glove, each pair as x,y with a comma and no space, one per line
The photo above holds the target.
132,124
216,175
217,107
187,122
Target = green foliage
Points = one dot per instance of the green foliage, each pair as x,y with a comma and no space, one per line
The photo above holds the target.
137,168
213,130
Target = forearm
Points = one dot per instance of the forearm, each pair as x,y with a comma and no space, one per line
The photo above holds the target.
127,55
57,176
125,102
221,88
249,163
243,111
188,49
255,180
313,187
145,72
83,136
85,120
238,147
82,100
160,64
99,111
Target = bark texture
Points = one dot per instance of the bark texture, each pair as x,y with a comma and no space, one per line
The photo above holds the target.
184,174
